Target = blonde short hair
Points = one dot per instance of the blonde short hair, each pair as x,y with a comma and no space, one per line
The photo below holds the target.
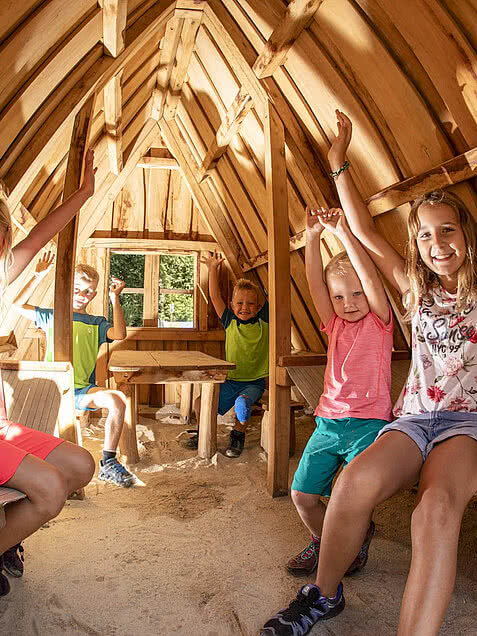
248,285
339,265
87,272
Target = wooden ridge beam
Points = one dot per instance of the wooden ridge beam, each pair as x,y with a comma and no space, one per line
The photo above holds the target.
113,122
241,106
297,17
202,195
179,70
141,244
455,170
115,13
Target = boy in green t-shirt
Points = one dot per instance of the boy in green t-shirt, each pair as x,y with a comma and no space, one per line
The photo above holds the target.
246,344
89,333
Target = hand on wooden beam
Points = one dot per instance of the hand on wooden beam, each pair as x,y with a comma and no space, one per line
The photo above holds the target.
88,183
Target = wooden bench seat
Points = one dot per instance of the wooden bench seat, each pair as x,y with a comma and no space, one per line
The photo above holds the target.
8,495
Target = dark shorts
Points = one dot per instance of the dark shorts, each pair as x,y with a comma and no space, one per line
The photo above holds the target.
16,441
428,429
230,390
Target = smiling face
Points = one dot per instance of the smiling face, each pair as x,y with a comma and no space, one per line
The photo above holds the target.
84,291
347,296
441,242
244,304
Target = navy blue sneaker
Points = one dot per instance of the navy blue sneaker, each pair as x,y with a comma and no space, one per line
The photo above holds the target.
111,470
308,608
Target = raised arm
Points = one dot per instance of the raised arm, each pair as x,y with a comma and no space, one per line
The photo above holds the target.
118,331
46,229
314,266
20,302
213,265
386,258
335,221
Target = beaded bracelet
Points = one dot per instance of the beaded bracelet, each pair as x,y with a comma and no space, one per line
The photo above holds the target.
337,173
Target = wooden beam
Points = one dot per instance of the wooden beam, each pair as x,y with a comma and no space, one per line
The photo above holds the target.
170,44
115,13
202,195
179,70
134,244
297,17
229,127
280,299
156,334
453,171
113,122
158,163
66,251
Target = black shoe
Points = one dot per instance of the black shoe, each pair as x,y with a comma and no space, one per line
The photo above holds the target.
236,443
13,560
362,558
4,582
308,608
193,441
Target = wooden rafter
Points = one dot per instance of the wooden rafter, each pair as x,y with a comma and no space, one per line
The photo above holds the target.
158,159
149,244
297,17
202,195
229,127
280,300
170,44
66,251
113,122
115,13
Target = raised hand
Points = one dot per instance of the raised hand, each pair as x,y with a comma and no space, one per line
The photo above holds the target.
44,264
116,287
88,183
213,262
333,220
314,227
339,147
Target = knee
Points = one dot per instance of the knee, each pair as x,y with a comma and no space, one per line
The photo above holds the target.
434,511
83,467
52,498
355,489
116,403
304,502
243,406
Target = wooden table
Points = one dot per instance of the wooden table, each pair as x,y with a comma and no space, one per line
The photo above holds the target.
163,367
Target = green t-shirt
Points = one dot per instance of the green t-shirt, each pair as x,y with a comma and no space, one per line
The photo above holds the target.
89,333
246,344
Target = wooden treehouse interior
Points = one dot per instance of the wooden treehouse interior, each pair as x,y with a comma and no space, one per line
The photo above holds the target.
211,122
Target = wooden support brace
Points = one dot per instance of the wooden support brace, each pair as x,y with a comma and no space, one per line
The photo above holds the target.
114,26
113,122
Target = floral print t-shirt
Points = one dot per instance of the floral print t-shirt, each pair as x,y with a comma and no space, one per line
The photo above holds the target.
443,374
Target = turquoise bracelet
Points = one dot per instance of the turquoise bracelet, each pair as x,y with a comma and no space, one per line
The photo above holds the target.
337,173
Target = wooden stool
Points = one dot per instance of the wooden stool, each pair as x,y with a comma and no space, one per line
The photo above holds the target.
294,406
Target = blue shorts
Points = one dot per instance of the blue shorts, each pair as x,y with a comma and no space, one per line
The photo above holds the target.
241,395
332,444
428,429
79,398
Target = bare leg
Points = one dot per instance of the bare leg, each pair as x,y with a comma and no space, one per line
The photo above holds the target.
115,402
388,465
311,510
447,483
46,488
75,463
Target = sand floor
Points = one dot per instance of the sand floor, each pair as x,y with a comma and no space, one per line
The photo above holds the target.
199,549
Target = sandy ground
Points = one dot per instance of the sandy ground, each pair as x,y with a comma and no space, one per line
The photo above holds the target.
199,549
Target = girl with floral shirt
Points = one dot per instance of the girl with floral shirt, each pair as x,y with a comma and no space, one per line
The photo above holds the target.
434,438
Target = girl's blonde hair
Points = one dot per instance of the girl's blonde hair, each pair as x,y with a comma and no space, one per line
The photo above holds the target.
339,264
6,258
421,278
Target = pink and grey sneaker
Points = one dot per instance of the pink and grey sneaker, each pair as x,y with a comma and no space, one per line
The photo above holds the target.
306,561
362,558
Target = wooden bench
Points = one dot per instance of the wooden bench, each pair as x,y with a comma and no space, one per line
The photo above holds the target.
264,434
39,395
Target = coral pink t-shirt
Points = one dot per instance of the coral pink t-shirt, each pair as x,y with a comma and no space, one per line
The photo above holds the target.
358,373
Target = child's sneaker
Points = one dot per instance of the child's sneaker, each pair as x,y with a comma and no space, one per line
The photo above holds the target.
306,561
193,441
111,470
308,608
13,560
362,558
236,443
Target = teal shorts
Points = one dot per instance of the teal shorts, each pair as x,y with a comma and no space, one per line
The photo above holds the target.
332,444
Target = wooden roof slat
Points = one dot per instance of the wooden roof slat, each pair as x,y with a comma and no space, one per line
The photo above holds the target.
297,17
113,122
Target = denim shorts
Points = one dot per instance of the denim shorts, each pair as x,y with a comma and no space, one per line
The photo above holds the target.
79,398
429,429
230,390
332,444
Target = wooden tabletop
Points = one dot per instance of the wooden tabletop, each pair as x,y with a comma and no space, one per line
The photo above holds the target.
184,360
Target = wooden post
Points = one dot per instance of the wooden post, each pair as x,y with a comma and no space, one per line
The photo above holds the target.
66,251
209,403
186,402
279,288
128,439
